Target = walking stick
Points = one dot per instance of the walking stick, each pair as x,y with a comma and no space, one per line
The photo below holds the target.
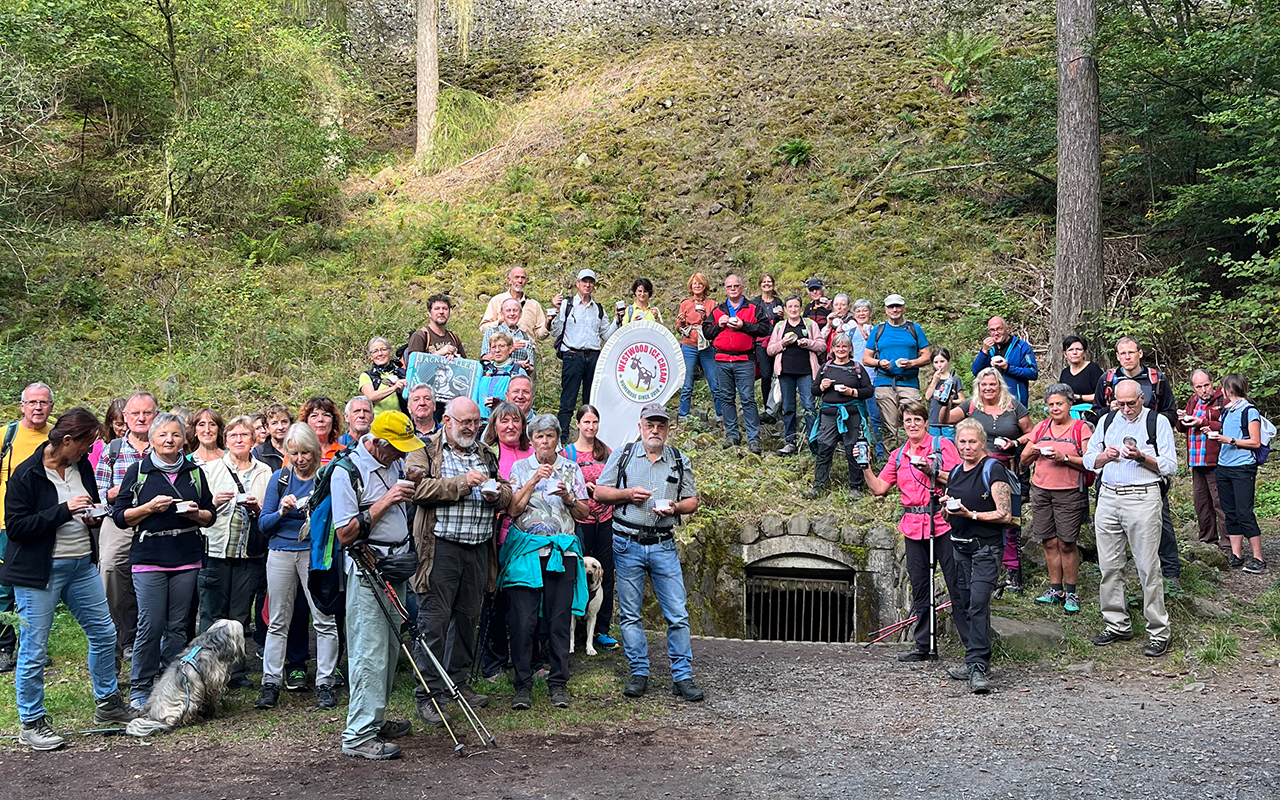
897,627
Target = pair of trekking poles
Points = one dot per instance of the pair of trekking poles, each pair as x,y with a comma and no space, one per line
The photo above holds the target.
397,615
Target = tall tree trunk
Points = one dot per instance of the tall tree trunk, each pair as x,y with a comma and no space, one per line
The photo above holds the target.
1077,269
428,63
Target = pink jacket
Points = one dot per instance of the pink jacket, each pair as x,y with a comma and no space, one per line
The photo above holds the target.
816,345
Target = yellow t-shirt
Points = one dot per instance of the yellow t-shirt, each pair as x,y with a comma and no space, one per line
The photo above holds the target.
25,442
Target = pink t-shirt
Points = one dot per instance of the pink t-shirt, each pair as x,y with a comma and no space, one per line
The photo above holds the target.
1056,474
591,470
914,484
507,456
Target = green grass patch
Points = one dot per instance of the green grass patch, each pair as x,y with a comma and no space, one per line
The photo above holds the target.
1219,648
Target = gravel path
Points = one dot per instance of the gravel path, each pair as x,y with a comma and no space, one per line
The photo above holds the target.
803,721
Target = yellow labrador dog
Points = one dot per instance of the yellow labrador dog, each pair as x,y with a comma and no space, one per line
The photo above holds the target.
595,596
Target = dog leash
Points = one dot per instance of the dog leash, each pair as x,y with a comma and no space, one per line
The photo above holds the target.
190,660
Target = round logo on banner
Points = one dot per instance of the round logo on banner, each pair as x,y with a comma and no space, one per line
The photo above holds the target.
642,372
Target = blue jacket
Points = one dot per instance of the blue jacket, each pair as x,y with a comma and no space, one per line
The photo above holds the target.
522,566
1021,371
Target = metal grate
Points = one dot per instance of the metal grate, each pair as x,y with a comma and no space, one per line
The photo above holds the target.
801,609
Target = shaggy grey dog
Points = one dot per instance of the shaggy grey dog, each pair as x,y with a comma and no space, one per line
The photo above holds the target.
194,682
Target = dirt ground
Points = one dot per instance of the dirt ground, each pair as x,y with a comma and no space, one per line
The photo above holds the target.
811,721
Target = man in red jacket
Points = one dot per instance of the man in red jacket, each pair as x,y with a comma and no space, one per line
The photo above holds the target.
1203,413
732,330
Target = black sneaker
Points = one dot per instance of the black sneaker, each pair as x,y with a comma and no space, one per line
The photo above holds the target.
559,695
687,691
978,681
1111,637
395,729
523,699
269,697
636,686
114,710
1156,648
1255,566
326,697
39,735
296,680
915,655
1234,561
960,673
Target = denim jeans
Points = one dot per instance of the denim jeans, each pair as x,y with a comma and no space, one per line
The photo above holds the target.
739,376
873,427
631,561
77,583
577,370
164,598
372,651
790,385
694,357
287,572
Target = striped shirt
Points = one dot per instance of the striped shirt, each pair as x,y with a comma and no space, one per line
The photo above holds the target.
659,477
1126,471
469,520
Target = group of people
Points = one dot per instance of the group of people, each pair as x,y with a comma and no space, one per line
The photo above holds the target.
151,525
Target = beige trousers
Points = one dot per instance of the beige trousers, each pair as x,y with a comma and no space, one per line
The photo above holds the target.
1134,519
117,579
891,399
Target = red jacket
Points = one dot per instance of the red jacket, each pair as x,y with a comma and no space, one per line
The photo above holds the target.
736,345
1210,447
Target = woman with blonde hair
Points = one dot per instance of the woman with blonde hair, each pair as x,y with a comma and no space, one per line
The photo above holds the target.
1006,423
697,351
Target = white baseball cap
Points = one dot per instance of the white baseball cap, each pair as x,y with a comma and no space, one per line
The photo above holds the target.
586,275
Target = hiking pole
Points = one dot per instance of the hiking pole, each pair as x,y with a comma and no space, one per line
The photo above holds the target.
363,559
482,639
933,583
898,626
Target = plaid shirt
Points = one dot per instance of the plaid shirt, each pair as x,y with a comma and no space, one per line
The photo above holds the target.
522,350
1201,452
469,520
107,474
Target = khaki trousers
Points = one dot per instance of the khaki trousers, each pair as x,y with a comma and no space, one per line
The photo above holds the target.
117,579
1132,518
891,399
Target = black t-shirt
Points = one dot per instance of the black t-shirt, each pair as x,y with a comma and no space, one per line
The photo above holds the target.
795,359
1085,382
968,487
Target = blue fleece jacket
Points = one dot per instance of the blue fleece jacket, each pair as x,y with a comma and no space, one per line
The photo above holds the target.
1022,368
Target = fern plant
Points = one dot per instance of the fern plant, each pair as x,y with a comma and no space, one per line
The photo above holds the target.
960,56
796,152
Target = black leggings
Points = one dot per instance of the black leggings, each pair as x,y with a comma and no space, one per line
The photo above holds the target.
597,542
1236,488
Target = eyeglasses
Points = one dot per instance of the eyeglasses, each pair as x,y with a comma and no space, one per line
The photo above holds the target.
1128,403
896,305
38,403
139,414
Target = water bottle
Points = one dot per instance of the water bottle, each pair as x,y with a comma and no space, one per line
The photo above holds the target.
862,452
944,392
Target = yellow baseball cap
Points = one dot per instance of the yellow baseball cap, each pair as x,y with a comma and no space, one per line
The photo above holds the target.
395,427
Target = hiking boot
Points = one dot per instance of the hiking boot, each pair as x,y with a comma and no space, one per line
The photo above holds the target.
729,444
1013,581
296,680
7,661
428,714
522,700
978,682
914,655
606,642
1156,648
39,735
239,682
686,691
1173,587
636,686
1233,562
768,419
1050,598
1111,637
814,493
754,447
473,698
269,697
559,695
375,750
787,449
326,697
960,673
1071,603
1255,566
395,729
113,709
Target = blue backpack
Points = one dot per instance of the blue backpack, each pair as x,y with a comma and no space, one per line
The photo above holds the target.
325,579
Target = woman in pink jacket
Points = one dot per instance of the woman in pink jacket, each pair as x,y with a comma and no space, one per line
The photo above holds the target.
795,345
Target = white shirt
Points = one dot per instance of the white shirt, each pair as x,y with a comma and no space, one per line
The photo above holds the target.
586,325
73,535
1125,471
393,527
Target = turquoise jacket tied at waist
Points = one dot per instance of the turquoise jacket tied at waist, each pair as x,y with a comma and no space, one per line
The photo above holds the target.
522,566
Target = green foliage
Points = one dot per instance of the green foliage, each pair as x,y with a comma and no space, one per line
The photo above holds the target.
466,123
1219,648
795,152
961,56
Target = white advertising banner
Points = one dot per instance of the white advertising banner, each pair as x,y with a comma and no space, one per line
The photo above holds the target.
640,364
